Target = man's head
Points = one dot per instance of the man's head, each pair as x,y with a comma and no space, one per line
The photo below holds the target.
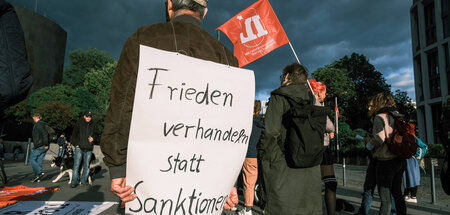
36,117
195,8
294,73
88,116
256,107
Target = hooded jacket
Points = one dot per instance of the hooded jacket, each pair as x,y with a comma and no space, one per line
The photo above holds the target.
81,133
191,40
287,190
40,135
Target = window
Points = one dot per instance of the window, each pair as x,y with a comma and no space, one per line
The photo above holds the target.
436,111
415,15
433,75
447,66
445,4
430,22
420,83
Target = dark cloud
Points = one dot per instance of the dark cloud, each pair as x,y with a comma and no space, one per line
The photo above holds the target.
320,31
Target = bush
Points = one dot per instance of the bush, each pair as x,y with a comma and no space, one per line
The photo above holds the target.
58,115
435,151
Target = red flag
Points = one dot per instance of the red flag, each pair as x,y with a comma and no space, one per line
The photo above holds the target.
336,109
254,32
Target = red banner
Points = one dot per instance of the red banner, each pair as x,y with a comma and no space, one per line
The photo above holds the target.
10,195
254,32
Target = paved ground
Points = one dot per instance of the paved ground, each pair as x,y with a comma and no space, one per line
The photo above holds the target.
19,174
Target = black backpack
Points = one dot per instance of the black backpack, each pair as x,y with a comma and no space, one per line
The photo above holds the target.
51,133
305,133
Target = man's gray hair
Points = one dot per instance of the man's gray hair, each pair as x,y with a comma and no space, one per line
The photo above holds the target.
188,5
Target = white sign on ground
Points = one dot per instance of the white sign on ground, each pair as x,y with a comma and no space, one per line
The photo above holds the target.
56,207
189,133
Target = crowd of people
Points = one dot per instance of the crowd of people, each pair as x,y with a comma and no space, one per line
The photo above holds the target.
79,148
286,186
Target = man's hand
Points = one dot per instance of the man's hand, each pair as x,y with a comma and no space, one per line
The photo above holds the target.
119,187
232,199
45,147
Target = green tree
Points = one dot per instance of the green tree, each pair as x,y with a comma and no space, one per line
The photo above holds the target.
98,82
367,81
57,114
82,100
338,85
81,62
58,92
404,105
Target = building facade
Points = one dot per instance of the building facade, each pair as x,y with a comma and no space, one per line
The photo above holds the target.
430,29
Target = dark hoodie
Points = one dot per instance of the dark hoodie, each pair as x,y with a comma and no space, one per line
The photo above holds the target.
287,190
257,127
81,133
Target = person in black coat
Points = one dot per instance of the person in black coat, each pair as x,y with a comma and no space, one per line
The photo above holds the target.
83,137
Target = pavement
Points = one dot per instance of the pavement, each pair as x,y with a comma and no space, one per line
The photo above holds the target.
20,174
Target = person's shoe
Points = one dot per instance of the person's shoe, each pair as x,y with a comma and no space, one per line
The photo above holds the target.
38,178
73,185
244,212
233,209
406,198
411,200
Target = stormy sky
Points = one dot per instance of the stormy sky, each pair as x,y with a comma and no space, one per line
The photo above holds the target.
320,31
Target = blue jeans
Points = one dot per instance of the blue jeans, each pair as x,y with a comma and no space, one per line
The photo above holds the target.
369,186
36,157
77,158
61,151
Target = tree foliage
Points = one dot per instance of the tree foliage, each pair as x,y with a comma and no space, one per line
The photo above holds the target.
57,114
338,85
367,81
81,62
98,82
404,105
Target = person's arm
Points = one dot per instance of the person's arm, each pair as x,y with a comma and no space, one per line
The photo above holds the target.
272,125
114,140
43,135
75,134
379,133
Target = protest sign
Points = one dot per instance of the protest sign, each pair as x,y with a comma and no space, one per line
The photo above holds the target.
189,133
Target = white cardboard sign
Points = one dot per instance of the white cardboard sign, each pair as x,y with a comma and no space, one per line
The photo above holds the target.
189,133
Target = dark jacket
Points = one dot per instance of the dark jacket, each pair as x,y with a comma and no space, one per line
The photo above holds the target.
257,127
191,40
287,190
81,133
40,135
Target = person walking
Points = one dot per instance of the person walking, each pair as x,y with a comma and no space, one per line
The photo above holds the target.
61,144
389,167
41,145
288,189
83,137
250,167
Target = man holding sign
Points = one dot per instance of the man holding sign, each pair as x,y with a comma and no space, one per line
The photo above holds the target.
183,35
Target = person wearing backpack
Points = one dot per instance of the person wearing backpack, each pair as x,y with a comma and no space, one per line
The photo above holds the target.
41,145
411,176
288,189
389,166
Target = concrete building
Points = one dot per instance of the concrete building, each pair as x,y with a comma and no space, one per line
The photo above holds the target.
430,29
46,46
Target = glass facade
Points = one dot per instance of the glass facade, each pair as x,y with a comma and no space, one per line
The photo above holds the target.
433,75
430,22
445,5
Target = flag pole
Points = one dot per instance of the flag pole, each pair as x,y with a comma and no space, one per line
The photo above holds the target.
295,54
